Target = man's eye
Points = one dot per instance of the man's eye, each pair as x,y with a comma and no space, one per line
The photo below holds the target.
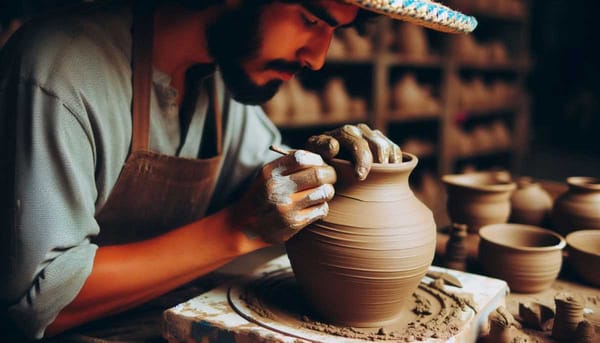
308,21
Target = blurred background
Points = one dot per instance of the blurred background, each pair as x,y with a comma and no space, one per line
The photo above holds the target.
520,94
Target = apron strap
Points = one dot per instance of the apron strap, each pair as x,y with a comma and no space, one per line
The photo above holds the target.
142,45
142,48
215,130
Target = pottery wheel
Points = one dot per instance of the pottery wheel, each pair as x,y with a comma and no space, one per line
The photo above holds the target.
274,301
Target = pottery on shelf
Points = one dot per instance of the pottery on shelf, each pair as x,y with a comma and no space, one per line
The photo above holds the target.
579,207
527,257
360,264
530,203
336,99
584,254
412,41
478,199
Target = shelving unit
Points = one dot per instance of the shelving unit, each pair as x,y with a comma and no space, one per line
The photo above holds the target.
497,74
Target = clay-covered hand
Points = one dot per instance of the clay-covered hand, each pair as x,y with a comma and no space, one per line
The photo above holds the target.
364,144
289,193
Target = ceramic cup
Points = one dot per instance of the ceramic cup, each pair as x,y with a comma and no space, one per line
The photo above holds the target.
478,199
584,254
528,257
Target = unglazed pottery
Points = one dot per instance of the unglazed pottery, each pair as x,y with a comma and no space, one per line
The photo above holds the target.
584,254
569,313
478,199
530,203
579,207
360,264
529,258
456,248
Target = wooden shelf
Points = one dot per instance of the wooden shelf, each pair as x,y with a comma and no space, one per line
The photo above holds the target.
398,59
510,66
350,60
403,116
484,153
291,125
443,72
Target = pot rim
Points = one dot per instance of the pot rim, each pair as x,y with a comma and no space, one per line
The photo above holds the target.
572,241
458,180
483,231
409,162
584,182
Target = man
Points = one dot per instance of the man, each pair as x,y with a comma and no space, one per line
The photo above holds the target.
133,167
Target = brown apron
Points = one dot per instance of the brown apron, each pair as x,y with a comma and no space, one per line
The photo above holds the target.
154,192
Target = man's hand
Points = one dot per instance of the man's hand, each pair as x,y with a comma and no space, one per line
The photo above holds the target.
365,145
290,193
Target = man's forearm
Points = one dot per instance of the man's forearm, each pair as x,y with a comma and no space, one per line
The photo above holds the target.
128,275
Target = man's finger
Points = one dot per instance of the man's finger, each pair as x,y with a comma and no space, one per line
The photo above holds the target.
313,196
292,162
324,145
301,218
313,177
395,151
350,137
380,147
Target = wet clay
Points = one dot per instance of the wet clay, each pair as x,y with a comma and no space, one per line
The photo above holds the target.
431,312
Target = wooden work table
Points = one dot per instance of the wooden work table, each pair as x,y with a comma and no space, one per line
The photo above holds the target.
143,323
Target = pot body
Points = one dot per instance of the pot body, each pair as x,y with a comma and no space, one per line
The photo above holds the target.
361,263
579,207
478,199
527,257
530,203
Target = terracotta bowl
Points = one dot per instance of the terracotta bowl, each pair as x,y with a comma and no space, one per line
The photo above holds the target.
584,254
528,257
478,199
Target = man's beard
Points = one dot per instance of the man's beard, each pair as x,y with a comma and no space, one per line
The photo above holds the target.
235,38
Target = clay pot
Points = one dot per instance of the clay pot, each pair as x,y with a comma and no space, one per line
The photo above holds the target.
529,258
579,207
569,313
530,203
360,264
584,254
478,199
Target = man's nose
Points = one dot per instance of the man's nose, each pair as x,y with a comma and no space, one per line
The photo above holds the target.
314,52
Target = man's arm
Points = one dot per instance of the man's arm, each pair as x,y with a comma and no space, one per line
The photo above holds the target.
124,276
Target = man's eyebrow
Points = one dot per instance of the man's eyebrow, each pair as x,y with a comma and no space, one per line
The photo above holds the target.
321,13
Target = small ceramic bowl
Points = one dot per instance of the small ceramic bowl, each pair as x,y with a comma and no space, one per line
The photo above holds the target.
528,257
584,254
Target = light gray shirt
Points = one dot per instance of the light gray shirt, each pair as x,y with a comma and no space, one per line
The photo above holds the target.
65,119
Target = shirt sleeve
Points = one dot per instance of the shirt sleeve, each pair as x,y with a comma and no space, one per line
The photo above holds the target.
49,253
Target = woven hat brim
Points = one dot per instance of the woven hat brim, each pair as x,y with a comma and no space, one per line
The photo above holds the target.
426,13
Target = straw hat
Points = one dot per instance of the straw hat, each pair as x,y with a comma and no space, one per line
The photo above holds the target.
421,12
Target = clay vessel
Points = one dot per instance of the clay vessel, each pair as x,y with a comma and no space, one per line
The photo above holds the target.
527,257
530,203
360,264
478,199
456,248
584,254
579,207
569,313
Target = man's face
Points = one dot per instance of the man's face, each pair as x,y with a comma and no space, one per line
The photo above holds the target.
259,47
